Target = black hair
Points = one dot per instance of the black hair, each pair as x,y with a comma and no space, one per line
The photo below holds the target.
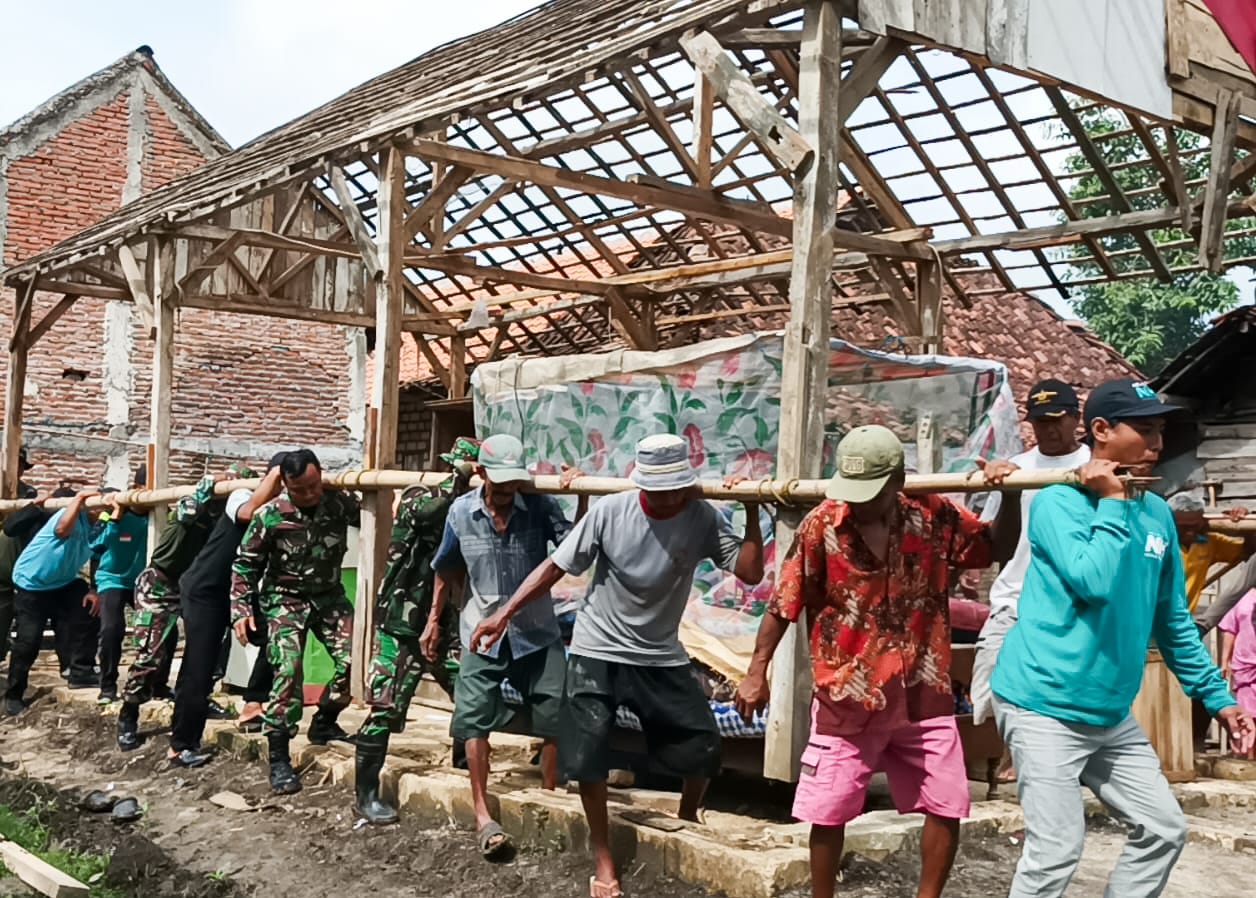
295,463
141,476
64,492
276,460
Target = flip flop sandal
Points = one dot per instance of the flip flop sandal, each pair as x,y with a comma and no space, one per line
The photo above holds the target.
126,811
484,840
252,725
604,889
98,801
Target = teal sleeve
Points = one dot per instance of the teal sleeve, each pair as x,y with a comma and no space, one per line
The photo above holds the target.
1082,545
106,538
1178,638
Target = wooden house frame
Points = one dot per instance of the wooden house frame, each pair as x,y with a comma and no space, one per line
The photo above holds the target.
503,194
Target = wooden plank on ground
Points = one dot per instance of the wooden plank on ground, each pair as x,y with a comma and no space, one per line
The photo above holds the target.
39,874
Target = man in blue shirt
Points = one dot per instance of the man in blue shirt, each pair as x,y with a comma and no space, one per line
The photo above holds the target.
121,550
494,537
49,585
1105,577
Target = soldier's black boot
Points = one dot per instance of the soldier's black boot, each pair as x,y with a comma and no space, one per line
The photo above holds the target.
283,779
371,751
324,729
129,727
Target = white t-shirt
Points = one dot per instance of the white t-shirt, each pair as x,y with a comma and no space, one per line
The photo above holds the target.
1006,589
643,571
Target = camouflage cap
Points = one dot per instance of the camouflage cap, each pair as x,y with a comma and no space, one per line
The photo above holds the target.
241,471
465,450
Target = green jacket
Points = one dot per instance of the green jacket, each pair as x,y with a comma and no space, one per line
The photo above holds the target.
405,593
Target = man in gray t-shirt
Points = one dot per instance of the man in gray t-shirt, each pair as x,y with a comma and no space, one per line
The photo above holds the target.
644,547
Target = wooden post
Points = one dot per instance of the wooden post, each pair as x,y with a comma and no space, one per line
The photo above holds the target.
381,448
929,309
804,377
15,389
457,367
160,276
703,140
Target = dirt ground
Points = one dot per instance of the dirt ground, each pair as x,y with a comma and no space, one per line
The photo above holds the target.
186,847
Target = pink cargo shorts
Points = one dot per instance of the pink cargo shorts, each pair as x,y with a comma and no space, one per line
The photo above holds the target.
924,763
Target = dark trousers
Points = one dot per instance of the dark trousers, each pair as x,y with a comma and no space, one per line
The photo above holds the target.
205,617
7,611
33,611
113,605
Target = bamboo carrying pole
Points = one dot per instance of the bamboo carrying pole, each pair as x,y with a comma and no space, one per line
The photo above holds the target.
783,492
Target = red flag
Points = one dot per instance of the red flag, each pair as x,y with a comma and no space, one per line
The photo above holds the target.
1237,19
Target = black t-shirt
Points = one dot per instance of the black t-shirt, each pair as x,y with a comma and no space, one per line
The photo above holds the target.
209,577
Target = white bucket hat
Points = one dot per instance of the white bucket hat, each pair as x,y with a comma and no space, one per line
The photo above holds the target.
663,464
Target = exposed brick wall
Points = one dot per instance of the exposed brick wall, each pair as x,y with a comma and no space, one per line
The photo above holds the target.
242,379
414,430
72,180
169,153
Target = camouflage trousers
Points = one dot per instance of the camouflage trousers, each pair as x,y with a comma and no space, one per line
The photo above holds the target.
289,623
396,670
156,619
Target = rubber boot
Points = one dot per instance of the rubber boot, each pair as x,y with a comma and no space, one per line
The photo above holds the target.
369,760
283,779
129,726
324,729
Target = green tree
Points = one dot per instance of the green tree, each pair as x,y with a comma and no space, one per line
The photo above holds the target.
1147,321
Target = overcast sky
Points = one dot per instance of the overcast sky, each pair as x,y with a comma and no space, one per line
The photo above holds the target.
247,65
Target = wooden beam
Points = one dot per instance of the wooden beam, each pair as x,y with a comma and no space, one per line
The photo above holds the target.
388,249
439,368
689,276
699,203
1100,166
161,288
206,266
625,321
316,246
296,198
249,304
15,390
78,288
138,287
662,127
1073,231
434,203
866,74
489,274
929,305
806,354
1177,176
703,134
472,215
739,95
457,367
51,317
1217,192
354,221
40,875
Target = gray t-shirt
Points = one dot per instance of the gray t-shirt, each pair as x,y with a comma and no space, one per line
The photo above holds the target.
642,576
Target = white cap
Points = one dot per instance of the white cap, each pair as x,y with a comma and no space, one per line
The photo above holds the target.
236,501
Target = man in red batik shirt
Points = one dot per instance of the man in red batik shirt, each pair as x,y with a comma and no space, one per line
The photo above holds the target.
871,566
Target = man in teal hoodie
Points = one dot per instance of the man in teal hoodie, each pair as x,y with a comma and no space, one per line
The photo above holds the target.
121,550
1104,580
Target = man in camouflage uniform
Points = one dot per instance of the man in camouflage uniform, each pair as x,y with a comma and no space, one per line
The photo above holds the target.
290,559
157,598
407,643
